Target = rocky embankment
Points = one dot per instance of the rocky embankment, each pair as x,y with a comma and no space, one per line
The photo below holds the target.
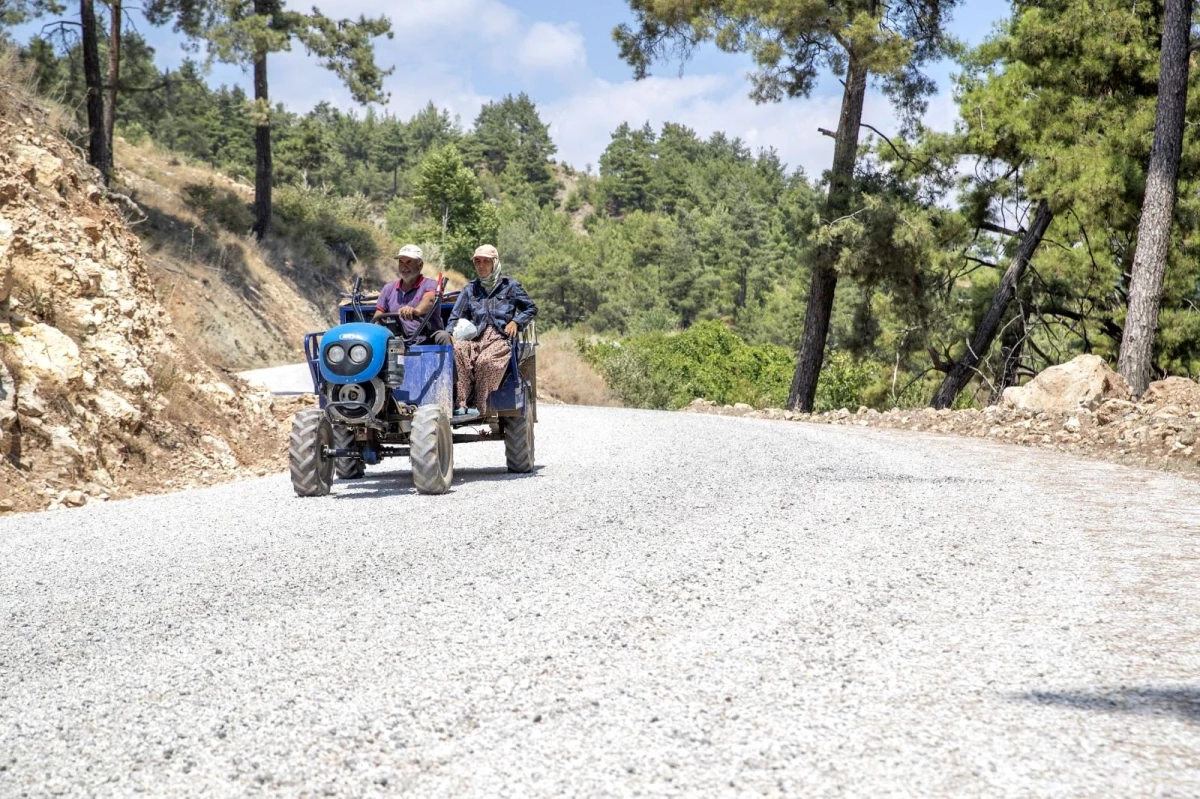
1081,407
98,397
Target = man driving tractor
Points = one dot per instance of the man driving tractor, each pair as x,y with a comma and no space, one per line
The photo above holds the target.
411,297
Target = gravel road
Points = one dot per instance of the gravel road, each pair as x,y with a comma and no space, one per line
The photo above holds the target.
671,604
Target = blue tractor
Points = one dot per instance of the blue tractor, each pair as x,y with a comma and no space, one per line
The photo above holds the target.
383,396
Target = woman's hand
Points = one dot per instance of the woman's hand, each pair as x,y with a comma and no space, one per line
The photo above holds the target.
510,330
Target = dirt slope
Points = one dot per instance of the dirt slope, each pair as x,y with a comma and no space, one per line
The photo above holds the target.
237,303
99,397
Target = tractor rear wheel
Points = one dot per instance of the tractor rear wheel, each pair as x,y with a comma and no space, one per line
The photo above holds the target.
431,449
518,441
311,469
346,468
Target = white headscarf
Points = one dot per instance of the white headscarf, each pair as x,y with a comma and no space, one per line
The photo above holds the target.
489,282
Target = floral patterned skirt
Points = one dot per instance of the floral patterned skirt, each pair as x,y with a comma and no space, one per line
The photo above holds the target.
479,367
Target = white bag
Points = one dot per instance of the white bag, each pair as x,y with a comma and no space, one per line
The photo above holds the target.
464,330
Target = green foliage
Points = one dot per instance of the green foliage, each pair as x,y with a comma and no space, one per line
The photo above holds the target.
219,207
322,220
510,139
669,370
239,31
459,218
844,383
681,241
792,41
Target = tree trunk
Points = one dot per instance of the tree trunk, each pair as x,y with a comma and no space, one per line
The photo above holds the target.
263,167
1158,206
114,75
98,153
1012,347
824,275
960,374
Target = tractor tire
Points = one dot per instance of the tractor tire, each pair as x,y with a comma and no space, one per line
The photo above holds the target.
518,441
431,449
312,471
346,468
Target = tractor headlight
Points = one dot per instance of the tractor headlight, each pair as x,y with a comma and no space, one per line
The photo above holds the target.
358,353
335,354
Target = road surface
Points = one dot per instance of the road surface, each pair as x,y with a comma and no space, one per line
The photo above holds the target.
671,604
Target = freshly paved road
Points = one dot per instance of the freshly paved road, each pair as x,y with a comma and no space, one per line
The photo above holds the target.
672,604
287,380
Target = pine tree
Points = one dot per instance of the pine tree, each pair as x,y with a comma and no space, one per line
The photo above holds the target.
1154,229
246,32
627,170
791,43
511,132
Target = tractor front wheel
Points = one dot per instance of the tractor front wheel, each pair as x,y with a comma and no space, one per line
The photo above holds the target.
431,448
346,468
311,469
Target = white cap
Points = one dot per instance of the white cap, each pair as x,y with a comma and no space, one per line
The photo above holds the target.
411,251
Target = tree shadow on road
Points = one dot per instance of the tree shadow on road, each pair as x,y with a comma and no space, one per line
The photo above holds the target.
399,482
1183,702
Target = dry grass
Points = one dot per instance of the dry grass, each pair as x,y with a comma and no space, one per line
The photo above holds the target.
173,172
240,304
563,374
19,95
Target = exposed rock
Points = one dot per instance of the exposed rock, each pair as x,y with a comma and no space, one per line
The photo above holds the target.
1081,382
48,353
97,388
1114,409
1176,391
37,165
8,400
117,408
1163,430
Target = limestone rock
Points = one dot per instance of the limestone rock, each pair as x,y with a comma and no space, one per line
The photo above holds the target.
1180,392
1081,382
40,167
114,406
1114,409
49,353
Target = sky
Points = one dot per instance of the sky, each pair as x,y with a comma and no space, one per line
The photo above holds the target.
463,53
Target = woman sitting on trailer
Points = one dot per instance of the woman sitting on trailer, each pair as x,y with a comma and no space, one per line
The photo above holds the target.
499,308
411,297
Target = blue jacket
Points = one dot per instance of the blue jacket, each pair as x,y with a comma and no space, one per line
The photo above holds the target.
508,302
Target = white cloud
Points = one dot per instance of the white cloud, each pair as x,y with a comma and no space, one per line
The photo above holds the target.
552,48
417,22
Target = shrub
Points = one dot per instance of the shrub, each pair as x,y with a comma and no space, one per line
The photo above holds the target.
843,384
133,132
669,370
219,207
319,218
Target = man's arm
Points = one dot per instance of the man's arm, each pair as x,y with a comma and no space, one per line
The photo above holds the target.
422,307
381,303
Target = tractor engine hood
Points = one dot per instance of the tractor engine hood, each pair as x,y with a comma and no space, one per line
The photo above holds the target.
353,353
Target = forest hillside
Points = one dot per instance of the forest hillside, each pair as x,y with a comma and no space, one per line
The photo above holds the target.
682,265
